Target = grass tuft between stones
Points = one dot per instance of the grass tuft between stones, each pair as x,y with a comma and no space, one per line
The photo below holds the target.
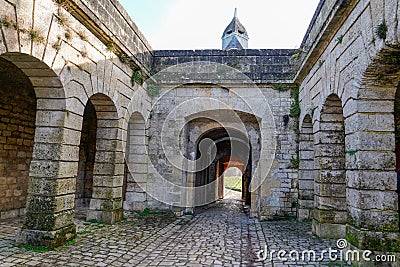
147,212
97,222
44,249
40,249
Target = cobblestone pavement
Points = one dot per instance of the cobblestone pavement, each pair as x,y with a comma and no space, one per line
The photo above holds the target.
219,235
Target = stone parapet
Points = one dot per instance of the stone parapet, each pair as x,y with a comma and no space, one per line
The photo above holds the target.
261,66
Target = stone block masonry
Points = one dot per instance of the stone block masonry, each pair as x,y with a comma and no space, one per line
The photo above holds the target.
57,57
350,54
277,196
261,66
17,128
68,55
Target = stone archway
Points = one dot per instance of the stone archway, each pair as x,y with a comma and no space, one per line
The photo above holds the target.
17,130
330,206
87,154
306,170
246,134
227,145
136,162
371,133
49,217
104,164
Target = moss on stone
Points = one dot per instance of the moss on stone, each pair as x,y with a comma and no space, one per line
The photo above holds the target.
63,237
138,77
381,244
381,31
352,239
37,249
391,227
374,241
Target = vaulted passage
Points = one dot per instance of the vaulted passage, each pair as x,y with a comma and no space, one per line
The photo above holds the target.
136,158
217,150
306,170
17,130
101,167
87,153
330,213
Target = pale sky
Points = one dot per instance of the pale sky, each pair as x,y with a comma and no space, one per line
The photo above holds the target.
199,24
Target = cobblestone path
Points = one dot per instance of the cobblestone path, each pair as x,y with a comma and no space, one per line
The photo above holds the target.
219,235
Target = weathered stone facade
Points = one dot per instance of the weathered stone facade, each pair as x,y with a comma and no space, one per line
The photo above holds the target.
70,57
349,76
108,141
207,90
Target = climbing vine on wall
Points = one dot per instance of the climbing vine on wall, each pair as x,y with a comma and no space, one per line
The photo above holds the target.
295,161
295,113
295,107
381,31
137,77
282,88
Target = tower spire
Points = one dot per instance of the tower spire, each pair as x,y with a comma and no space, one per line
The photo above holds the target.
235,35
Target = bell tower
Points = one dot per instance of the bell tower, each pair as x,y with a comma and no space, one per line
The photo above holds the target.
235,35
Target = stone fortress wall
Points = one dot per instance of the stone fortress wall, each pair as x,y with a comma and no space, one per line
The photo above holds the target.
72,60
348,82
81,64
264,70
